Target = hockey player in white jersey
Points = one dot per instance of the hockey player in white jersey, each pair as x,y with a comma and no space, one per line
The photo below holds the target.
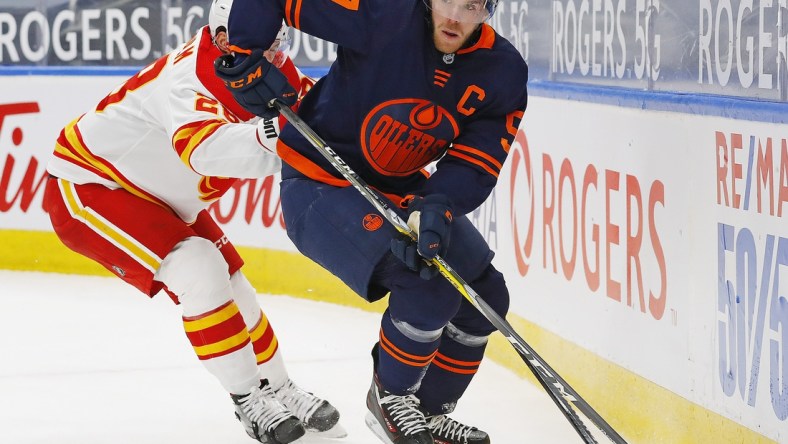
129,185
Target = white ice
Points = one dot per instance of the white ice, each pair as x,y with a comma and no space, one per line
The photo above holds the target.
87,360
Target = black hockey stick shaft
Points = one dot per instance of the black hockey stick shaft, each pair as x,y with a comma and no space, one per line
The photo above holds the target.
559,390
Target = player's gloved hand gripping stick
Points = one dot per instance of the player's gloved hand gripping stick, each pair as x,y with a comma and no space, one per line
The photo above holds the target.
564,396
254,82
429,216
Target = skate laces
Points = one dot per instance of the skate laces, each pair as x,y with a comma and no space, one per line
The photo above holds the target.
302,403
262,407
444,427
405,412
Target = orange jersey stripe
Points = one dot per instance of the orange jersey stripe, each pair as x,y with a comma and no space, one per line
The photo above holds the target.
298,14
293,13
239,50
486,40
314,172
307,167
469,159
288,9
481,154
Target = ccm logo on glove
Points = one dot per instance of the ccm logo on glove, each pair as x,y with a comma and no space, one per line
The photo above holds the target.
255,83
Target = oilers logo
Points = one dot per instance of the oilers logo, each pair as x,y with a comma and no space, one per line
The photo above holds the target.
372,222
399,137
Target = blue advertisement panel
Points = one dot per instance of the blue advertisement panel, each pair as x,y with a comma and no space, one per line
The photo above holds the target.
735,48
722,47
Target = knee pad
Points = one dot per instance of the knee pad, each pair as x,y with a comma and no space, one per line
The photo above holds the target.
426,306
197,273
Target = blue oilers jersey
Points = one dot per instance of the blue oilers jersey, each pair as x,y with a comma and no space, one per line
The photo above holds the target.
392,104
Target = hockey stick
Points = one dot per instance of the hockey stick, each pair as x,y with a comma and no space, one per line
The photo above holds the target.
559,390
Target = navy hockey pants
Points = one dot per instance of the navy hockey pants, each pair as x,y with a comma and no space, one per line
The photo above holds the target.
432,340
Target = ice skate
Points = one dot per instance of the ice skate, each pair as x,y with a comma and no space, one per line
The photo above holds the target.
448,431
317,415
265,418
396,419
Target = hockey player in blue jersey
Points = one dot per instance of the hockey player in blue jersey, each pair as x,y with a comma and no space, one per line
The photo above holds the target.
415,81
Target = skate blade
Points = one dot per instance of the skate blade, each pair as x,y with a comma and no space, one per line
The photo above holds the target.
333,433
377,429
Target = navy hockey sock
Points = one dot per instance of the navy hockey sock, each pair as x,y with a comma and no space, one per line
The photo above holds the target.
452,370
402,360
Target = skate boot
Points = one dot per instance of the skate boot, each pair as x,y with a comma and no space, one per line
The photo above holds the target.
448,431
317,415
395,419
265,418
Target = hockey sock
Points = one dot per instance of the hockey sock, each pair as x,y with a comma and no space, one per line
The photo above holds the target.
221,341
452,369
266,349
404,354
264,340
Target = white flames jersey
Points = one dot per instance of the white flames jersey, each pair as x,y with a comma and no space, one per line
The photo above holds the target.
172,134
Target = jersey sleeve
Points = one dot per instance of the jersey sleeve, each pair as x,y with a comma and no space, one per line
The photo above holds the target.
358,25
469,170
238,150
208,137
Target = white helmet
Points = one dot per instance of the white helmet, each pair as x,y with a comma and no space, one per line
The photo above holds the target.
219,15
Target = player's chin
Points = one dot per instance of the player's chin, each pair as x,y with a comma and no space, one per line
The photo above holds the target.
448,44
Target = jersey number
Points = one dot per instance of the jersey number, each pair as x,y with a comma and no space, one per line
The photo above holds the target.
147,74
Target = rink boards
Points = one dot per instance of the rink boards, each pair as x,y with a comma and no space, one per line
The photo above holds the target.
643,238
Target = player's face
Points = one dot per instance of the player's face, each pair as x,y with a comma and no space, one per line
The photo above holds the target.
449,33
221,42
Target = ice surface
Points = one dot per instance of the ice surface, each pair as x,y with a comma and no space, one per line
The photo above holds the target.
88,360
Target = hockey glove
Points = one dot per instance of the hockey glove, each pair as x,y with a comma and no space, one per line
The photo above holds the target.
431,218
255,82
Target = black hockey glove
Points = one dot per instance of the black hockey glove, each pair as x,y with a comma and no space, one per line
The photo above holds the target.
254,83
431,218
